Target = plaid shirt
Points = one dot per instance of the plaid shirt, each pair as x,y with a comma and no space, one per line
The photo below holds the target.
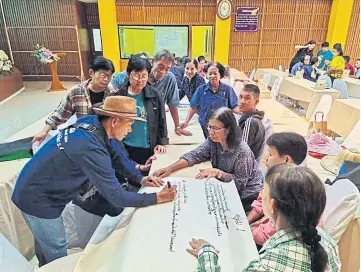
76,101
282,252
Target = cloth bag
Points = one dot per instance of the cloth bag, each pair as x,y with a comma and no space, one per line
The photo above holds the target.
319,126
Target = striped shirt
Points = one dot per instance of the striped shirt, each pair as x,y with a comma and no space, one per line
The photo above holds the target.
282,252
76,101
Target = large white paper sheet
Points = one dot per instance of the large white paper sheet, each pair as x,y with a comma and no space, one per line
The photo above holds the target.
155,238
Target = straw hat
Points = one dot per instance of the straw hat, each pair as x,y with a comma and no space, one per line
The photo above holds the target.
333,163
321,144
119,106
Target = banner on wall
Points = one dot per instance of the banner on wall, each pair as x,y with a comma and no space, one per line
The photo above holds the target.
246,19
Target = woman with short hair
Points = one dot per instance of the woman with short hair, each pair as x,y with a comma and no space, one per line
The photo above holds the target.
211,96
146,138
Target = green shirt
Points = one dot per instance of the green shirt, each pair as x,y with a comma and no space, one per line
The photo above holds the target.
139,136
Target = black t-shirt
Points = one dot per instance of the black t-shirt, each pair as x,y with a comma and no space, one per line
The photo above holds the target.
96,97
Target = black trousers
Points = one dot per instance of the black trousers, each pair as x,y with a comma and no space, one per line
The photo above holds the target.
138,154
247,202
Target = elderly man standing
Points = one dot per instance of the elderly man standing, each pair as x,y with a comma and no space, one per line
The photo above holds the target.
80,153
163,80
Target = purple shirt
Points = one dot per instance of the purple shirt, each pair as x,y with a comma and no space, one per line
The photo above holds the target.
238,164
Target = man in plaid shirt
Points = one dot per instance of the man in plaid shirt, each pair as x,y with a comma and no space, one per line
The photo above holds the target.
80,98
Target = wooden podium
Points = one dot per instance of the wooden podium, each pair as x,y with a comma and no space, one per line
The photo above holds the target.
56,84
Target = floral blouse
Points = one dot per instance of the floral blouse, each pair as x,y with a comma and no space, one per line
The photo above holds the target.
189,87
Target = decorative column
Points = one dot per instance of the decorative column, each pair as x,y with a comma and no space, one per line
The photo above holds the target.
109,31
339,21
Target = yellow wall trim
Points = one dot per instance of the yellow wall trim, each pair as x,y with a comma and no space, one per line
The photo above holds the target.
339,21
222,38
109,31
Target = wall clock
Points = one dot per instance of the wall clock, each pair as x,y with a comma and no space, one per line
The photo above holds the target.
224,9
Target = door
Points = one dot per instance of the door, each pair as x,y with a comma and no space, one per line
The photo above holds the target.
202,41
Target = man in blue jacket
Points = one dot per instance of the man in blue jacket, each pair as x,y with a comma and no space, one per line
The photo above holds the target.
79,154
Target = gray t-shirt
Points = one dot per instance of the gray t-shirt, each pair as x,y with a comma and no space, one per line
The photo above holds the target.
168,89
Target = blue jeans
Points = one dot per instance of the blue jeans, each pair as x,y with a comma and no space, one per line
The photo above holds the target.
49,238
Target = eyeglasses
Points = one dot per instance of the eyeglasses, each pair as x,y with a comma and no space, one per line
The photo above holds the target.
215,129
104,75
138,77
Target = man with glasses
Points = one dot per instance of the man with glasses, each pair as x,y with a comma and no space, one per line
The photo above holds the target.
164,82
80,98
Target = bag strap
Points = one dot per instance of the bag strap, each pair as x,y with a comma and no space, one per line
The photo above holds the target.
322,115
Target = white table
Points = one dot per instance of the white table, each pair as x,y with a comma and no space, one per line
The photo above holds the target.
273,72
301,90
353,87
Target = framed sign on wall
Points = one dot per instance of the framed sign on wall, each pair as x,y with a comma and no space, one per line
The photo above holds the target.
246,19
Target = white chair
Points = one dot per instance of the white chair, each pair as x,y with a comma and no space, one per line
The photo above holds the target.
353,139
267,78
342,201
252,74
341,86
280,68
276,87
323,106
327,79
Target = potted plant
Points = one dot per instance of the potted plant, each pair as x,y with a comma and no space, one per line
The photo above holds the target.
10,78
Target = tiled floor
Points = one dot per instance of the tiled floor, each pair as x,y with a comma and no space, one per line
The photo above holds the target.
29,106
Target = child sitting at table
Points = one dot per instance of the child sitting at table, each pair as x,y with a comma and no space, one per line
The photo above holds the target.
294,199
252,128
284,147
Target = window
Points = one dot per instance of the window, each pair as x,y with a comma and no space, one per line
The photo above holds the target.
97,40
150,39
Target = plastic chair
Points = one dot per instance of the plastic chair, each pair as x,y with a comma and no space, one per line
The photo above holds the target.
267,78
341,86
342,201
327,79
280,68
252,74
323,106
353,139
276,87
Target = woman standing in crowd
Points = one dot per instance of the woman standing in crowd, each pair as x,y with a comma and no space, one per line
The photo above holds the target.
303,50
201,67
211,96
191,80
231,158
337,65
146,138
294,199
